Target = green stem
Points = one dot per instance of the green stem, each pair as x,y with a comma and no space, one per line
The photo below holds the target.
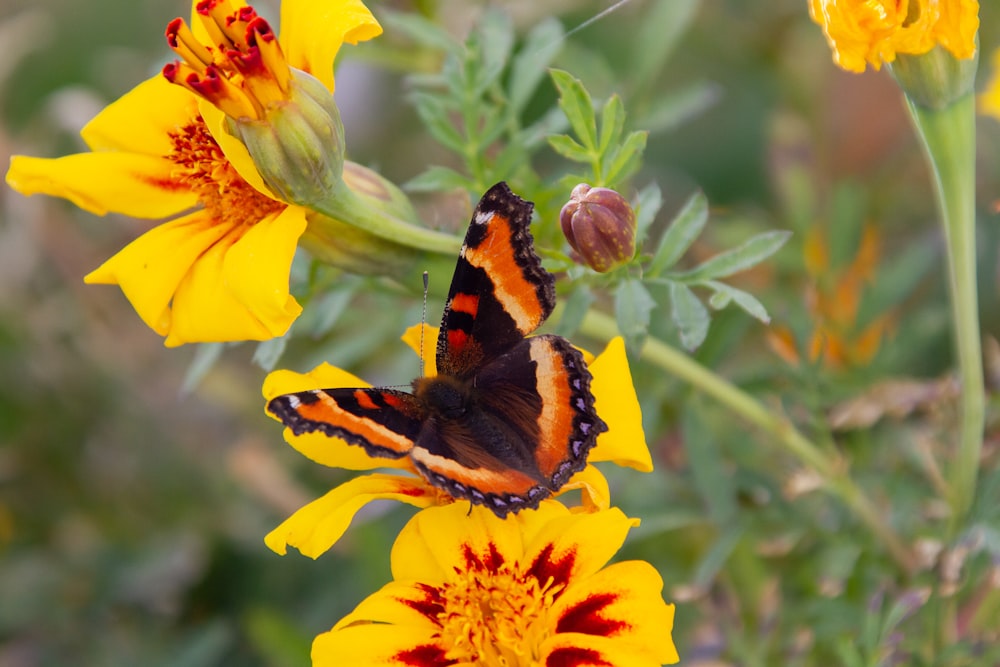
949,139
830,469
347,206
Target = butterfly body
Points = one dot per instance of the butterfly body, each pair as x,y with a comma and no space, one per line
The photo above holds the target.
508,419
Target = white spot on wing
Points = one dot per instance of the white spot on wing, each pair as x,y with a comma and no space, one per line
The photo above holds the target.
483,217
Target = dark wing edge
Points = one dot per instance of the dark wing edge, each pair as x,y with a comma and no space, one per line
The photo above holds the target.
383,421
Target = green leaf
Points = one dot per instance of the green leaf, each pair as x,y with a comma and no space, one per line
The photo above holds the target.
575,102
437,117
724,294
421,30
268,352
437,179
330,307
528,67
612,122
713,481
569,148
496,40
633,306
750,253
686,226
552,122
689,315
716,557
574,310
647,205
657,35
626,159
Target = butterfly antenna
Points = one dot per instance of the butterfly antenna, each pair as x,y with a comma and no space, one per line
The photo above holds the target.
423,321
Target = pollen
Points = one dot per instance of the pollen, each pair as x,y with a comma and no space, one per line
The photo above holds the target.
203,168
493,614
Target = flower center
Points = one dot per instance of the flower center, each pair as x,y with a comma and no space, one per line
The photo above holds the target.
495,616
203,168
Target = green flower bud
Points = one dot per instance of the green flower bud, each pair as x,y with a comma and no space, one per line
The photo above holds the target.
298,145
936,79
600,226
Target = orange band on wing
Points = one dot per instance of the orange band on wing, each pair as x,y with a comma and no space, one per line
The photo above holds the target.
555,423
465,303
497,482
517,296
326,410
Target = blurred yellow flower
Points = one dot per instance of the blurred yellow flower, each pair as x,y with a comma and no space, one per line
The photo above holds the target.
316,527
989,100
872,32
219,273
472,589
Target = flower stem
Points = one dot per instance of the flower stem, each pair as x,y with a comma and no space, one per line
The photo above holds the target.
831,469
948,136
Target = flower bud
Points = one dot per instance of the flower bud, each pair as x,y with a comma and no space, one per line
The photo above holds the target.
936,79
600,226
298,144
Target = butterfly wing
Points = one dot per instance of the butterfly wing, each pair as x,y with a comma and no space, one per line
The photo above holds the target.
383,421
531,429
500,292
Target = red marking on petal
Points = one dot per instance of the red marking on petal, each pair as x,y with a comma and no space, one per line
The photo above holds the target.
575,657
430,607
427,655
490,562
559,571
586,618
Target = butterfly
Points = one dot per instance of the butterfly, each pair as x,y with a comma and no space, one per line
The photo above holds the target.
509,417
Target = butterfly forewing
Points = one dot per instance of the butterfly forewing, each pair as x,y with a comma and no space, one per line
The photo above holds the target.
500,292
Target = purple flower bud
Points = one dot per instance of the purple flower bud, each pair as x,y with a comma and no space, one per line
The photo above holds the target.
600,226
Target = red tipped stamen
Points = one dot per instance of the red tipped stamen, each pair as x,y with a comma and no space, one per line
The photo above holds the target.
183,42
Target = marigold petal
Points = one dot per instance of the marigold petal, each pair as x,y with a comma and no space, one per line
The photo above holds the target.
440,538
388,645
140,121
577,650
623,603
594,491
207,306
315,528
576,545
256,269
616,403
426,335
319,447
149,269
140,186
312,32
413,604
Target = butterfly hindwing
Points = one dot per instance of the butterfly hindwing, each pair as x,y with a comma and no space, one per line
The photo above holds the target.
383,421
500,292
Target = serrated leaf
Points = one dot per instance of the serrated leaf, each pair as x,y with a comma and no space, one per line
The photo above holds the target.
633,306
437,179
437,118
686,226
612,122
726,294
626,159
688,314
647,205
569,148
575,102
528,67
750,253
575,308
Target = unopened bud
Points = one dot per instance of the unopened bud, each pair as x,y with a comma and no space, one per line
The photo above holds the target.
600,226
298,146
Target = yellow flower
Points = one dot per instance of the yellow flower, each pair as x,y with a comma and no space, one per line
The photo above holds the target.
874,31
316,527
219,272
473,590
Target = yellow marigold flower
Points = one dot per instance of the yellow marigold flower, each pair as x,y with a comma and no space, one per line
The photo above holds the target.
471,589
218,273
316,527
872,32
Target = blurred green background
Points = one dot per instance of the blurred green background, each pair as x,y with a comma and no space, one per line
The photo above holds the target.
132,513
